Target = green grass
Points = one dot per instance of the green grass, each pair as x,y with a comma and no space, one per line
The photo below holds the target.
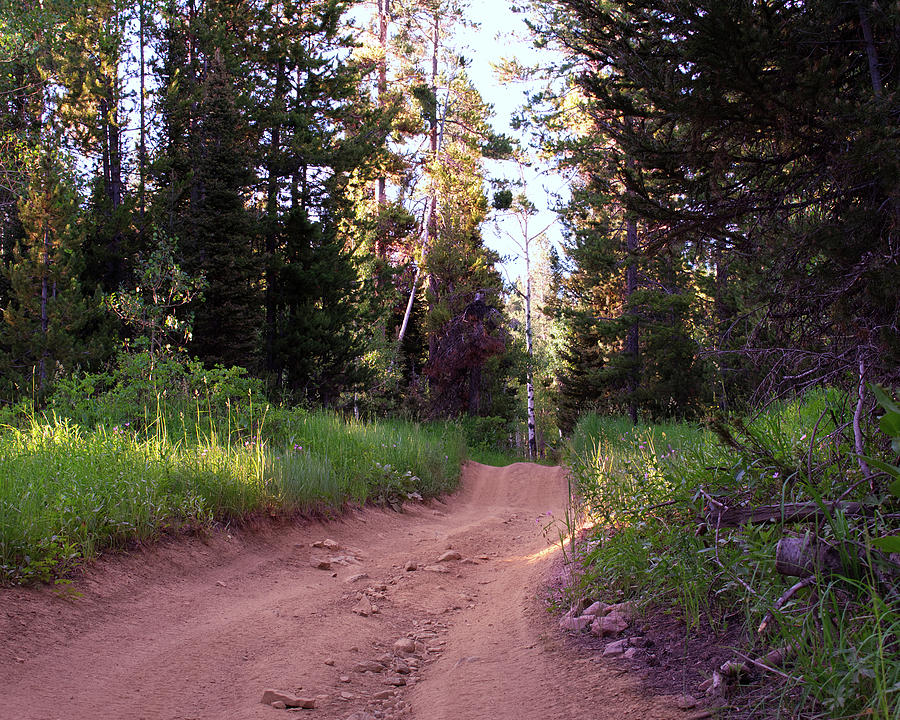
68,492
647,489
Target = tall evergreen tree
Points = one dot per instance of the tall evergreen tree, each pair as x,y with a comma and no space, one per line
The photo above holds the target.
46,314
325,133
766,131
208,172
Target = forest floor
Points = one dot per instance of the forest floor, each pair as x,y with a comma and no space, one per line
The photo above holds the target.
200,627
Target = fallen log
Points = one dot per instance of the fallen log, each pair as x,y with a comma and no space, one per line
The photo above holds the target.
809,555
806,556
719,515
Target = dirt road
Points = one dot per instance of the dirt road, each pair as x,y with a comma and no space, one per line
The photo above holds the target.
199,629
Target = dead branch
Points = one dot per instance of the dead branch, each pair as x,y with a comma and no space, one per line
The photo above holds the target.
724,516
779,603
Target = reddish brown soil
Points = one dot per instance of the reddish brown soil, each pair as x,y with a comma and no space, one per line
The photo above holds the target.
199,628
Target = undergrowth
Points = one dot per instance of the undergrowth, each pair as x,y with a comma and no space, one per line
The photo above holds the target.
110,462
656,495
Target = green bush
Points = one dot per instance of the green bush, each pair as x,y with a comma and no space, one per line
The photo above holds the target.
117,458
650,489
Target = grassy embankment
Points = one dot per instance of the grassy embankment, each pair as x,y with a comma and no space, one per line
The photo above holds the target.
650,489
115,460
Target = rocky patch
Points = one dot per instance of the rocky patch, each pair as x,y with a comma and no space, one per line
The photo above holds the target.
282,700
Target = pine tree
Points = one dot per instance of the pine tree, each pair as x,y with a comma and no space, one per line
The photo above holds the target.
227,321
44,319
755,135
207,173
324,135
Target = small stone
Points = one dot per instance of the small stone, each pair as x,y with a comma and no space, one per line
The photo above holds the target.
575,624
330,544
627,610
611,624
483,557
220,584
279,705
411,566
384,694
436,569
330,662
685,702
596,609
272,696
356,578
405,646
364,607
449,556
396,680
614,649
320,564
638,641
368,666
344,679
347,696
634,653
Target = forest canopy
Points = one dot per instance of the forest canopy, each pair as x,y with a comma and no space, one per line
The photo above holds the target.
303,189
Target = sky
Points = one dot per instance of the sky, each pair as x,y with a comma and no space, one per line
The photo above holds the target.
499,34
502,33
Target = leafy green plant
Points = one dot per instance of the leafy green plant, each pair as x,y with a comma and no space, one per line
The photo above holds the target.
654,494
76,483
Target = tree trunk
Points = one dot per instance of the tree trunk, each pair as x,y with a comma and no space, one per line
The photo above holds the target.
384,9
631,339
871,51
722,319
45,317
805,556
475,390
788,513
529,379
272,218
426,230
142,140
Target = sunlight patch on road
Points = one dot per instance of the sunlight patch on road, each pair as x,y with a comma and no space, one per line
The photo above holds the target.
540,554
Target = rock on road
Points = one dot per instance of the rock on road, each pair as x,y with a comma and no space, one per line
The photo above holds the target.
429,614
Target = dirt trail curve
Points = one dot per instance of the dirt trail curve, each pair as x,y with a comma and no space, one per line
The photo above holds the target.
198,630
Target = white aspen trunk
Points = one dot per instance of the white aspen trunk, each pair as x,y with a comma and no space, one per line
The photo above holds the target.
529,373
857,430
